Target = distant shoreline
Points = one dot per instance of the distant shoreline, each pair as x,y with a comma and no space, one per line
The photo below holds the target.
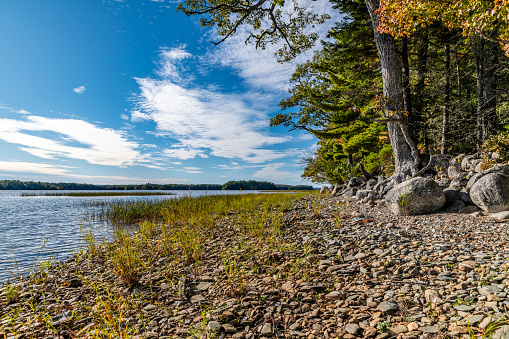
230,185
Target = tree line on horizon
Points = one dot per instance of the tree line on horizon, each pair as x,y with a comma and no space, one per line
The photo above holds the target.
231,185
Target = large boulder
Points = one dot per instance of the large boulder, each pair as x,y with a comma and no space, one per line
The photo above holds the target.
491,191
415,196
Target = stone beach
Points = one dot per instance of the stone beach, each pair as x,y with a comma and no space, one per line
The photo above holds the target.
355,271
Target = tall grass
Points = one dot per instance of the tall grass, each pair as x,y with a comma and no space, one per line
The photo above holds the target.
179,228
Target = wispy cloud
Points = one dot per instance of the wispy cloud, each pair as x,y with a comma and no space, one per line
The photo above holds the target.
18,167
80,90
205,120
101,146
274,173
22,111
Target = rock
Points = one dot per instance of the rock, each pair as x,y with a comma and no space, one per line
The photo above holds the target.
443,183
487,290
412,326
470,209
203,286
62,318
415,196
149,307
266,330
334,295
500,215
473,320
455,207
452,194
463,308
453,172
430,329
495,318
388,307
197,298
473,180
469,162
399,329
352,328
230,329
501,333
491,191
214,326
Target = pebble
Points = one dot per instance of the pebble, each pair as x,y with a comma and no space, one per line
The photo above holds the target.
420,276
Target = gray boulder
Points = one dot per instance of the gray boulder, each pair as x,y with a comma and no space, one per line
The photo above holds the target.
472,180
469,162
491,191
452,193
465,197
444,183
453,172
415,196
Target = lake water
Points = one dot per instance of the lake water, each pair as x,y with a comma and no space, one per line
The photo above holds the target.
35,228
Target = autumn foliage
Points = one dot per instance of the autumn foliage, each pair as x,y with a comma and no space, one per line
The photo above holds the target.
489,19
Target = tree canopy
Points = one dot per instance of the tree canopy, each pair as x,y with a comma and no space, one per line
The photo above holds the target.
489,19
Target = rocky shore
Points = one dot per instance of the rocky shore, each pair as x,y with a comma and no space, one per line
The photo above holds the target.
340,271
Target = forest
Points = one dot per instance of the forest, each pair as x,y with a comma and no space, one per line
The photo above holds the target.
394,82
231,185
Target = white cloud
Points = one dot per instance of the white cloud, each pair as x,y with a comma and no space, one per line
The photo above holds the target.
193,170
138,116
170,66
80,90
200,119
101,146
22,111
63,171
274,173
184,153
124,117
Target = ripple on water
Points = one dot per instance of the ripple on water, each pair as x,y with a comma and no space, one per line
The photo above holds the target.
33,229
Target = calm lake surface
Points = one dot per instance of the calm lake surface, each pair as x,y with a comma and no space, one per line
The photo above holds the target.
36,228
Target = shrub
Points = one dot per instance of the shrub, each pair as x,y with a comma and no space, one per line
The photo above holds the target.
498,143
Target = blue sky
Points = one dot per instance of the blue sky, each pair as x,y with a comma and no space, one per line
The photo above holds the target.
134,92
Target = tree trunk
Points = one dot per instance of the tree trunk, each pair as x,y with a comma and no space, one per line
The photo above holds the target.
422,61
478,51
447,96
491,79
407,96
406,155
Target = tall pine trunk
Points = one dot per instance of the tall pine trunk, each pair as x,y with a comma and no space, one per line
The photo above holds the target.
422,63
406,155
478,51
490,83
447,97
407,96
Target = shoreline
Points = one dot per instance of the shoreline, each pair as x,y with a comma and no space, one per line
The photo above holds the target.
316,269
